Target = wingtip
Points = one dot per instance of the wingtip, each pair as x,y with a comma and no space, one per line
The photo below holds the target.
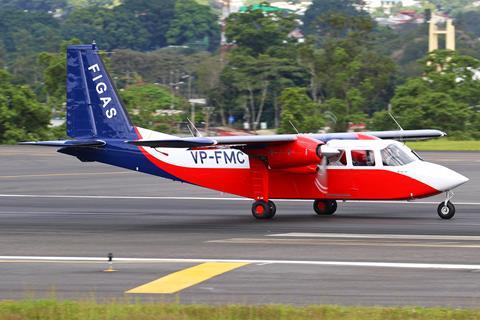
26,143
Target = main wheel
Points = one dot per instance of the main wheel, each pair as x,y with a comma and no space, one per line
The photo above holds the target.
325,207
263,210
273,208
446,211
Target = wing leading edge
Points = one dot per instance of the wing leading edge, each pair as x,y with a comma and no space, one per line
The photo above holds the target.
195,142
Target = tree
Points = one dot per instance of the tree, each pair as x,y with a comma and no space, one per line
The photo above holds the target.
55,76
449,5
322,13
468,21
155,16
256,82
256,31
149,106
21,116
34,5
110,28
301,111
194,25
164,66
445,97
355,74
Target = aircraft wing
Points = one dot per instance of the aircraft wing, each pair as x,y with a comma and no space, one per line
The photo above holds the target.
247,140
394,135
407,134
196,142
193,142
252,140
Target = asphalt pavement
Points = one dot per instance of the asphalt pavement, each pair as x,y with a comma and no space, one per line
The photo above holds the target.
59,218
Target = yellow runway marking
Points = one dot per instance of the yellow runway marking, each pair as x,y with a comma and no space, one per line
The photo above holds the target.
182,279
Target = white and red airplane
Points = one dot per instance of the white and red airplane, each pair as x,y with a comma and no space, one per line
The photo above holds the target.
322,167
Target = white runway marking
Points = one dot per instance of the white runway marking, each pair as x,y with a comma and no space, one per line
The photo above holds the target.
54,196
63,174
377,236
344,242
404,265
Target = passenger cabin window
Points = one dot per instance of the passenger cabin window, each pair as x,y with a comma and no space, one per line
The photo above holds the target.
338,161
394,156
363,158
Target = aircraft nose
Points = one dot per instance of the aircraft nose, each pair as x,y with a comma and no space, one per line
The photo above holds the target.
442,178
456,179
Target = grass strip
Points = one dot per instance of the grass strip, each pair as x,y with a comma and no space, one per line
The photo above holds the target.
445,145
118,310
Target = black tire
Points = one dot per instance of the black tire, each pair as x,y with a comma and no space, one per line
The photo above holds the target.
263,210
446,211
325,207
273,208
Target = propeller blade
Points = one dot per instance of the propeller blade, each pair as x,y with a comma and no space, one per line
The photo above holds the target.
321,180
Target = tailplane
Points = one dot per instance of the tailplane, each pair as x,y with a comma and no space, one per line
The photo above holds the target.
94,109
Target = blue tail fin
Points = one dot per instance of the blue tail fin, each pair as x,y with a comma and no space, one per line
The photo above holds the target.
94,109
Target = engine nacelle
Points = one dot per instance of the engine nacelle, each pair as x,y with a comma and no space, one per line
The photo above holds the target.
302,152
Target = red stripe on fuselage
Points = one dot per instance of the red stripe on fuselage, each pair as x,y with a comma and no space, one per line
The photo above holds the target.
231,180
353,184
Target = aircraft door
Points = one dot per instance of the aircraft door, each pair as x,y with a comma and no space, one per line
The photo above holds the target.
364,165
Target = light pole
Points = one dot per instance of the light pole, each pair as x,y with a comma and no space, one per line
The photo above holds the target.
173,89
208,111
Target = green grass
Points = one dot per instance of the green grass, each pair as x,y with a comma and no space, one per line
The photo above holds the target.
89,310
445,145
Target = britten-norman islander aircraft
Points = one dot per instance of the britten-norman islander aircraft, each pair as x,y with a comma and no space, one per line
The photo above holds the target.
321,167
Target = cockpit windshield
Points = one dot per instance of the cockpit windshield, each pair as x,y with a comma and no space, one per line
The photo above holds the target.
394,156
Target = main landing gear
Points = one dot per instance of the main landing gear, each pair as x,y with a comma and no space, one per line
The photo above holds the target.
325,207
446,209
263,210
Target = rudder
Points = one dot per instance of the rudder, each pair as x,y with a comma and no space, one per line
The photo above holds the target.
94,109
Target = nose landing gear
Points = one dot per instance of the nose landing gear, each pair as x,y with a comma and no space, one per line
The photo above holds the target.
263,210
446,209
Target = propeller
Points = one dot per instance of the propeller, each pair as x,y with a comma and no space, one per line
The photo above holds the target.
321,180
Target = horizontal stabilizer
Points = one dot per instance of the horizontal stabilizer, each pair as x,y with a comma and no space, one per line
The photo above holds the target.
66,143
174,143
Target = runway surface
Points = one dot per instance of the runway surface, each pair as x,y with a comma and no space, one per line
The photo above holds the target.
59,218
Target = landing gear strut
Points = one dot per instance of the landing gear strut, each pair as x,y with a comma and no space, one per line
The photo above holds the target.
325,207
263,210
446,209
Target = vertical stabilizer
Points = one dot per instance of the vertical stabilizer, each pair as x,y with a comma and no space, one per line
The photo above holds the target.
94,109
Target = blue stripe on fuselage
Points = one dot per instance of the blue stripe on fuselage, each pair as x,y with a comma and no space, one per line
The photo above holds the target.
118,153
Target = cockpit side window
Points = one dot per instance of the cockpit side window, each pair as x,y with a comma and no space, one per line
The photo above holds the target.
394,156
338,161
363,158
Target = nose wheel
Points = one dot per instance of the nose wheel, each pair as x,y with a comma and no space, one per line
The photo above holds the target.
263,210
446,209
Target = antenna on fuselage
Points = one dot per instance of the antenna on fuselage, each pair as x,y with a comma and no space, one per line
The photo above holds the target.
193,130
395,120
294,128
